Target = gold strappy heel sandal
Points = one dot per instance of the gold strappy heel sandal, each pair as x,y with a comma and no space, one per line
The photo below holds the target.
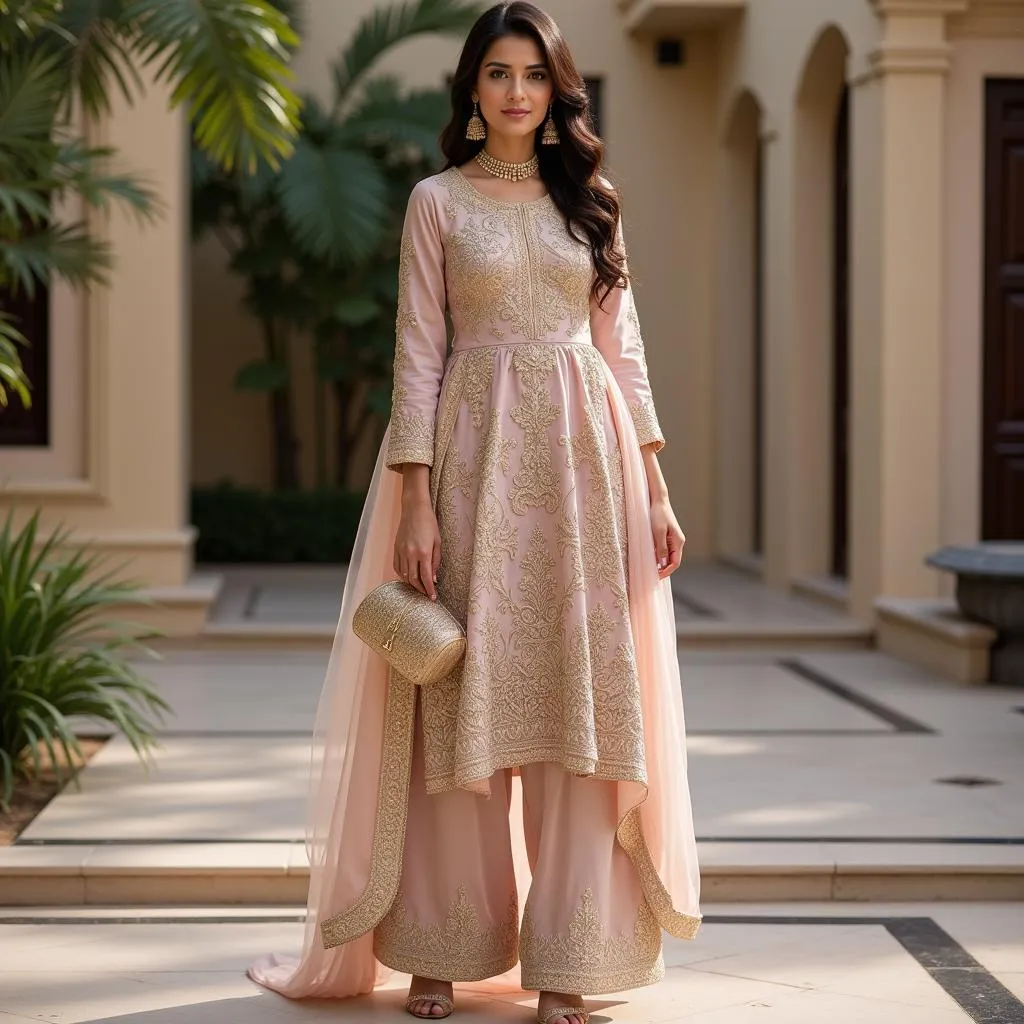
564,1011
443,1001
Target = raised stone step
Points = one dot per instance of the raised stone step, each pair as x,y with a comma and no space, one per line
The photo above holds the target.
224,874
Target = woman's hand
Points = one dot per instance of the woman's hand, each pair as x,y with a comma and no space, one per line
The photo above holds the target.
418,540
668,537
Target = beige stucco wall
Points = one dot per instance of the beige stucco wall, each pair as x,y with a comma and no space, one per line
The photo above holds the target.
973,60
786,59
116,470
660,131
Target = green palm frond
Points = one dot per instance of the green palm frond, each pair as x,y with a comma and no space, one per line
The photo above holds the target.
227,60
26,19
386,26
12,373
30,89
86,170
24,201
64,250
334,200
94,44
385,113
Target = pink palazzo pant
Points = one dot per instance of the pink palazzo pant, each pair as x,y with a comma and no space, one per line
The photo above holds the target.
586,927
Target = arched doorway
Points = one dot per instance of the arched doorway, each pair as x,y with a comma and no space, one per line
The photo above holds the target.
818,528
841,340
739,348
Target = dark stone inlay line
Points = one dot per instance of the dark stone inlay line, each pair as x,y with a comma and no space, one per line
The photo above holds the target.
198,734
984,998
834,840
981,995
252,600
901,723
871,840
152,842
696,607
243,919
786,732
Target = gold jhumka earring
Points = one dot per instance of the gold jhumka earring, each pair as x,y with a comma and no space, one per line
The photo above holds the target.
550,136
476,130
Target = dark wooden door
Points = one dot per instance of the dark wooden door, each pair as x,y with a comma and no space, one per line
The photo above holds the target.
1003,376
841,342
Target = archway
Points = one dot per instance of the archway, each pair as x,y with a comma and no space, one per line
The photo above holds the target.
821,312
739,346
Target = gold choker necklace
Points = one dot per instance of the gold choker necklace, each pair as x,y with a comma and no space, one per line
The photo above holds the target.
506,170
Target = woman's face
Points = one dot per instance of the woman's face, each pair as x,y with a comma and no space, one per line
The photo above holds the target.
514,86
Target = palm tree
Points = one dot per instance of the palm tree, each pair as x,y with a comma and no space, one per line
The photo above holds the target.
226,61
317,242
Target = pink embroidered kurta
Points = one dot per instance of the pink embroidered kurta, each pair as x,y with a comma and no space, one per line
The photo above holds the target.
527,478
533,424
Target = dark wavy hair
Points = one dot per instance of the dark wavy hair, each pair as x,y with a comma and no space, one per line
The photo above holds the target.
571,169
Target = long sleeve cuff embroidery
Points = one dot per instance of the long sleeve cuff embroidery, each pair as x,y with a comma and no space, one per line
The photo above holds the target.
645,422
408,442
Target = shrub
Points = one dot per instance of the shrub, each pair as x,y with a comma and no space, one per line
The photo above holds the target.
59,659
239,524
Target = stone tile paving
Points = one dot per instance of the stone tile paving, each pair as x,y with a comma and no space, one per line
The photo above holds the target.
815,746
912,964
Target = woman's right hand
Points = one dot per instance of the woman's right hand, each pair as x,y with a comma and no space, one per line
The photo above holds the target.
418,541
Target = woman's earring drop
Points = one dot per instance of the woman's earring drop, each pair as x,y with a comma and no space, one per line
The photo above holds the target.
550,136
476,130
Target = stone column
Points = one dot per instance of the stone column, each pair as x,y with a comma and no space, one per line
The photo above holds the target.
897,304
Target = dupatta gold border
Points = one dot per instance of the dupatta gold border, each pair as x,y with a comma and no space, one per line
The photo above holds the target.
389,827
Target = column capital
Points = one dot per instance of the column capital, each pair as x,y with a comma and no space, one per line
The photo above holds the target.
925,8
889,59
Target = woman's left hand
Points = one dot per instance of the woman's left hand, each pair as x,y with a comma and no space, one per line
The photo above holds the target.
669,540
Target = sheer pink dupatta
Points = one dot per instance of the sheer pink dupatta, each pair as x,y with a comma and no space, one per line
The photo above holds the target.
655,821
348,746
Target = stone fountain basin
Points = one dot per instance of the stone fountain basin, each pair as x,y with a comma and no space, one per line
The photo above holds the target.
990,589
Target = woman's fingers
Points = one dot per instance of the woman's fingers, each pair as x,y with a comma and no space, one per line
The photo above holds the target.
426,571
661,548
676,542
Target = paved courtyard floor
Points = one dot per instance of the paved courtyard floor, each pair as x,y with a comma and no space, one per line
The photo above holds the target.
817,775
909,964
811,747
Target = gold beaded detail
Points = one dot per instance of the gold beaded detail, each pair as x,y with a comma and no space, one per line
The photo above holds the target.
505,169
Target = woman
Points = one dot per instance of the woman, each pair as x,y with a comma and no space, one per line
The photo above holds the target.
518,483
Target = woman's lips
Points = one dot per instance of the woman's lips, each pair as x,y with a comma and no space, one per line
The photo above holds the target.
517,115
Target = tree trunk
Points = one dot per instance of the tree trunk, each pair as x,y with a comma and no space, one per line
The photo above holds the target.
285,445
343,443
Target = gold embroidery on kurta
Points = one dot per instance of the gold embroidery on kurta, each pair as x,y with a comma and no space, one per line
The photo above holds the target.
537,483
514,264
412,435
645,421
549,666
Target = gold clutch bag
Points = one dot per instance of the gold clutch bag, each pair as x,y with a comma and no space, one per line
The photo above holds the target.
418,637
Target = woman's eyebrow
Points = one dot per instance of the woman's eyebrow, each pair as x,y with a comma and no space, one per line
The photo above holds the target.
499,64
